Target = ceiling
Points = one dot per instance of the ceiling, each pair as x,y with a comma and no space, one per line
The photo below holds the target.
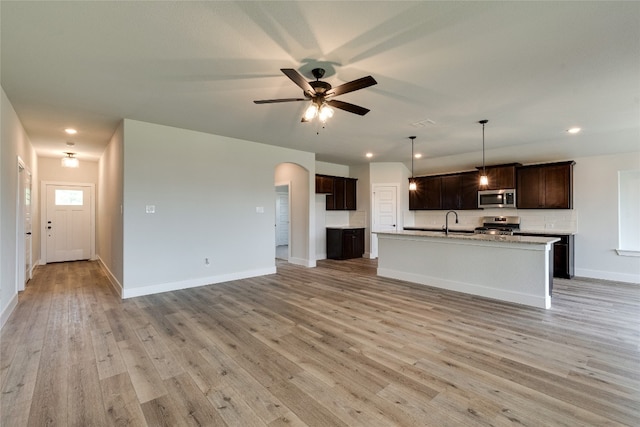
533,69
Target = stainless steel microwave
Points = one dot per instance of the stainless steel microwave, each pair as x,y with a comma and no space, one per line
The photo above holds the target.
497,198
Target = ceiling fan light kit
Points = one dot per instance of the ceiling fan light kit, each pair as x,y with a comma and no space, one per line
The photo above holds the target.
321,95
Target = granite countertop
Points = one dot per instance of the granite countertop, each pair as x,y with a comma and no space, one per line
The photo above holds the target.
461,235
554,232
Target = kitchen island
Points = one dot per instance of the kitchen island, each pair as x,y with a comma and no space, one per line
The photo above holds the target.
509,268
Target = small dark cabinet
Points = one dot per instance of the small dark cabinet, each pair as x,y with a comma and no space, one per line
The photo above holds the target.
341,192
500,177
345,243
546,186
469,190
428,193
324,184
450,185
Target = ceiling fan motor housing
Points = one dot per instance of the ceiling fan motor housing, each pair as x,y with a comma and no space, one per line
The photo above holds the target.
320,87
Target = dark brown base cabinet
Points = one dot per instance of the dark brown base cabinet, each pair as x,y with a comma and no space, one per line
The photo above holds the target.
563,254
345,243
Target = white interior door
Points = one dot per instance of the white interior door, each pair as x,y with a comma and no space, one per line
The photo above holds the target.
282,219
68,223
26,193
23,238
385,212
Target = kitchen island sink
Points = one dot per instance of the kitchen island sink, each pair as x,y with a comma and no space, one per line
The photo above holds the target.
509,268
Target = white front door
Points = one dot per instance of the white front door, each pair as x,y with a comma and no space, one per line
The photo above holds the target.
68,222
385,212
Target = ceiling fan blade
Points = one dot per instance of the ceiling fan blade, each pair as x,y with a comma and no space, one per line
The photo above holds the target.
353,85
299,79
355,109
272,101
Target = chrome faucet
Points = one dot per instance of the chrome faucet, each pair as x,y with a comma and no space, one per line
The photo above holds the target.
446,221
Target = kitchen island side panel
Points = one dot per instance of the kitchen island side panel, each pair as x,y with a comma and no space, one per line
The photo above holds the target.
512,272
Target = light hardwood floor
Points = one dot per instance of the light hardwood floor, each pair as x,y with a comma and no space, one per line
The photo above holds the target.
329,346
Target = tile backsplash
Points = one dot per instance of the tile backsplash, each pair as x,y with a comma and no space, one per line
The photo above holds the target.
542,220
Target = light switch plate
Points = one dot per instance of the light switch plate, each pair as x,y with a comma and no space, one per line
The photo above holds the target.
150,209
259,209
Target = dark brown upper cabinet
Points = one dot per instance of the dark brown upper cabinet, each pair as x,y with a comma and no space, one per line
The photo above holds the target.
428,193
451,191
324,184
341,192
500,176
545,186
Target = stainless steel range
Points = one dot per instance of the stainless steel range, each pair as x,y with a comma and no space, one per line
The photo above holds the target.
500,225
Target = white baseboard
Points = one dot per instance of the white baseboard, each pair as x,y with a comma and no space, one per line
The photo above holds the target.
115,284
608,275
193,283
303,262
6,313
320,256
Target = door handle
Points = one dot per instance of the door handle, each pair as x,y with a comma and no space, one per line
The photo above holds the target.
49,227
28,233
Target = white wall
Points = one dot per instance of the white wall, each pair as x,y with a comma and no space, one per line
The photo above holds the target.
14,143
325,218
109,209
596,201
394,173
362,216
50,169
299,181
205,189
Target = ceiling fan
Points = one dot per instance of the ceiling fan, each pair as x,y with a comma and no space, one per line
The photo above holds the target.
322,93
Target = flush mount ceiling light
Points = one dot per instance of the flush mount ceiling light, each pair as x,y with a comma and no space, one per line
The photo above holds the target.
69,161
369,155
484,180
71,131
574,130
412,182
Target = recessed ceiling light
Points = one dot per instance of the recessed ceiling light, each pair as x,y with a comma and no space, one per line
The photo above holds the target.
369,155
418,156
574,130
71,131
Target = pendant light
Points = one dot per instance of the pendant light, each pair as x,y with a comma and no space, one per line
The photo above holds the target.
412,182
484,180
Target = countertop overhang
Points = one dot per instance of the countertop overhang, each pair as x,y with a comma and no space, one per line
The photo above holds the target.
471,237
